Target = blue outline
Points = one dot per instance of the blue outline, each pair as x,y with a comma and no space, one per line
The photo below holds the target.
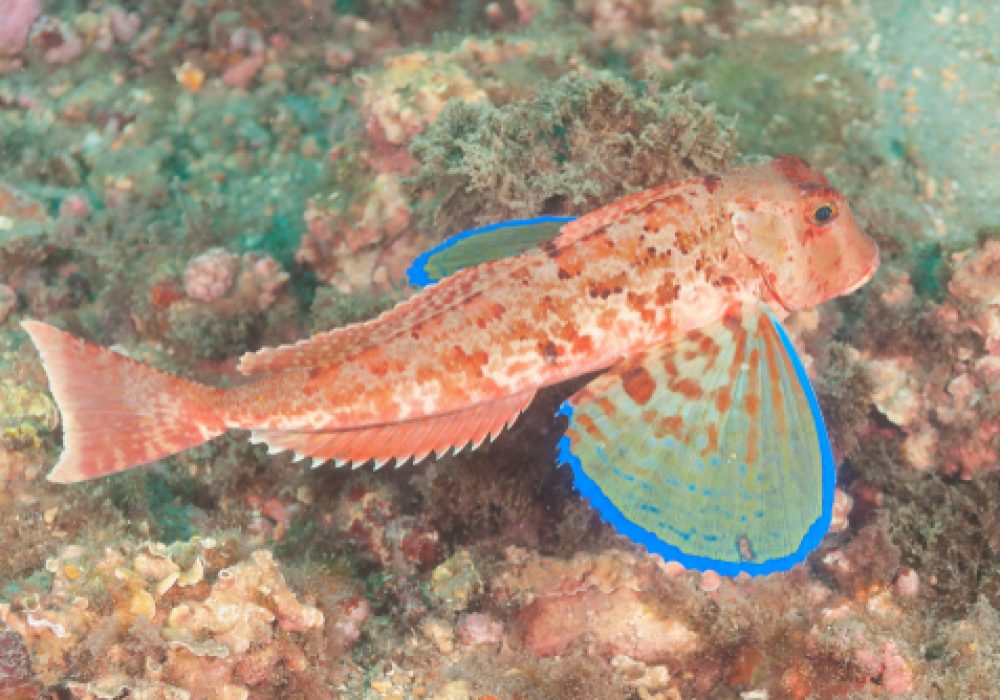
589,489
417,275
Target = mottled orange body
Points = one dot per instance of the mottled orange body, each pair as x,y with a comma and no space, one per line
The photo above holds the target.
459,361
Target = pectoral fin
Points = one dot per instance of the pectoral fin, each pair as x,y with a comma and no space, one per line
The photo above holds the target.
709,450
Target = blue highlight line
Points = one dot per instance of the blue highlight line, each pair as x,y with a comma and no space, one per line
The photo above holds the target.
590,490
416,273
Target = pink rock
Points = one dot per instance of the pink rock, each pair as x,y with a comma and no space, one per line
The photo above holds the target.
354,613
242,73
907,583
56,40
478,628
842,505
74,206
16,18
124,24
889,667
261,279
210,275
525,11
710,581
897,677
609,624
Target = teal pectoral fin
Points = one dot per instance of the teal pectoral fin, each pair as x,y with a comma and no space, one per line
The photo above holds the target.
479,245
709,450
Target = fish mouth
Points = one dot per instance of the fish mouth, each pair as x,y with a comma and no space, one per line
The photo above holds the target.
867,275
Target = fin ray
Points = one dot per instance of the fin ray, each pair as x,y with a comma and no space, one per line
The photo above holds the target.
709,450
118,413
484,244
413,438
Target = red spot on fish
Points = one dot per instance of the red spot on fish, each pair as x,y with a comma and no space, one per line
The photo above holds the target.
667,426
583,345
548,350
606,405
638,384
713,440
711,183
723,399
688,388
587,423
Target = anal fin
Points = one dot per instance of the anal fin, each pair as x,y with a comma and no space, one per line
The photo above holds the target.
403,440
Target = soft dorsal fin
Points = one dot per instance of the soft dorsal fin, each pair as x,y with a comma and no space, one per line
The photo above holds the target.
476,246
709,450
455,258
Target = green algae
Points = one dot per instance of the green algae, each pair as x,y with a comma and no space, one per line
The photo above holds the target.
582,142
26,415
949,530
789,96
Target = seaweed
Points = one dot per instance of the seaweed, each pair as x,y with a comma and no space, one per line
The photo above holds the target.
949,531
584,141
845,395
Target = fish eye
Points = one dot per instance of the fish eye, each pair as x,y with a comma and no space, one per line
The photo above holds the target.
824,213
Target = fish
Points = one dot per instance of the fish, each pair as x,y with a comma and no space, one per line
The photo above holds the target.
697,434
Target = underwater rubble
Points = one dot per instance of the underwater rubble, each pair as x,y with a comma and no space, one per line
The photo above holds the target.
186,182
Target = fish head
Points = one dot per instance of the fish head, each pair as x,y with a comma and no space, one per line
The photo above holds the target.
798,233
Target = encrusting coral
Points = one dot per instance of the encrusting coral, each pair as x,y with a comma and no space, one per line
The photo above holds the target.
194,619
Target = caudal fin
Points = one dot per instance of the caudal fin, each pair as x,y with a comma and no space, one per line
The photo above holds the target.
118,413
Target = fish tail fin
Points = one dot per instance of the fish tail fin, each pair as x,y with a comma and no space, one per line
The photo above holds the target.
118,413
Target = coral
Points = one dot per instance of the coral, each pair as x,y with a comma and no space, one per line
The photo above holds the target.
582,142
56,41
241,73
194,617
455,582
16,18
866,564
209,276
621,622
407,93
278,137
26,414
16,209
246,604
347,250
15,663
261,280
601,601
369,518
970,652
975,284
478,628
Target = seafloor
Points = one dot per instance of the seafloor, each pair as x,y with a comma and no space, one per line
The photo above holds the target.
186,181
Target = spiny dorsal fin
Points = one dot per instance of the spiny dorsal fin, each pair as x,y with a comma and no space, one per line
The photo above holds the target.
479,245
